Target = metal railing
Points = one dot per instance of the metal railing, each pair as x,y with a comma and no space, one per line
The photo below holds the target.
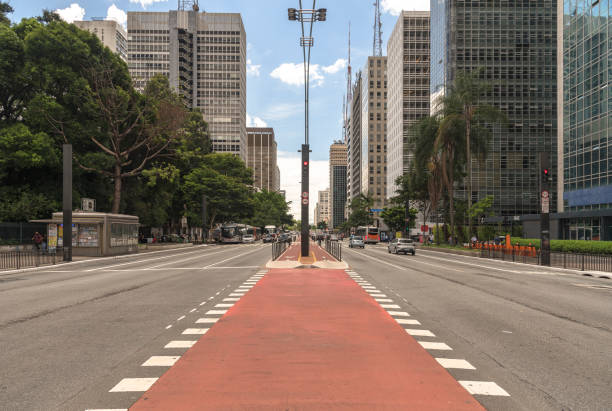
28,258
574,261
278,248
334,248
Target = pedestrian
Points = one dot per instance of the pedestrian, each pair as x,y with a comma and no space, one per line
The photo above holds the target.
37,238
44,243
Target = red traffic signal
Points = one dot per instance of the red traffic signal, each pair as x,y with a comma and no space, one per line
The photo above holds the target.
305,163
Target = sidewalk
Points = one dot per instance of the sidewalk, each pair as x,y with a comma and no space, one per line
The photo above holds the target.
306,339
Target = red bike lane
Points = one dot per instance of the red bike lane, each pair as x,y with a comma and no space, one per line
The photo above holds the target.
306,339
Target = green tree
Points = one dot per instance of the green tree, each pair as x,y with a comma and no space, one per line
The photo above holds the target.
5,9
394,217
464,107
360,211
269,208
322,225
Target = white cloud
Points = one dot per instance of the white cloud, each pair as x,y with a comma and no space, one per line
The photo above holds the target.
293,73
255,121
115,13
336,67
395,7
291,176
253,69
72,13
283,110
145,3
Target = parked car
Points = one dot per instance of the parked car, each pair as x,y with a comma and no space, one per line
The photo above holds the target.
248,238
401,245
284,238
268,238
356,241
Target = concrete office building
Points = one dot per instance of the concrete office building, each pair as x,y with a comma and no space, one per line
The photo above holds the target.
204,57
354,142
515,44
322,208
337,183
110,33
374,132
585,121
261,157
408,61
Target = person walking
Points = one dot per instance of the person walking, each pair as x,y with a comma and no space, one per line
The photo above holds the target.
37,238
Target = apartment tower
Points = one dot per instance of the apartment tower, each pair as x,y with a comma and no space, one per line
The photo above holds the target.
337,183
204,57
261,158
110,33
408,56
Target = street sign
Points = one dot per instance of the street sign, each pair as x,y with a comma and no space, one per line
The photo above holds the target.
545,202
376,210
305,201
305,194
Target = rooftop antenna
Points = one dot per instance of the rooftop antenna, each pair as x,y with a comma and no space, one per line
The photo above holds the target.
349,89
186,5
377,44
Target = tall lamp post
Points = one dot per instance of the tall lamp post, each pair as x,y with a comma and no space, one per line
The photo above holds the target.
305,16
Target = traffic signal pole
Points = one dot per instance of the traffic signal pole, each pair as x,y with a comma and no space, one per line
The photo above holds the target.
545,179
305,230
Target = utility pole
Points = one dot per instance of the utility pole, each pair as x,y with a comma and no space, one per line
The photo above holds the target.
306,42
545,180
204,222
67,202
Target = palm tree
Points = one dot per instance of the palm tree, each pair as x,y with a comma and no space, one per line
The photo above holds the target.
464,104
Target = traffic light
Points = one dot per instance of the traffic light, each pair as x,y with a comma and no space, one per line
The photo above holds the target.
546,175
293,15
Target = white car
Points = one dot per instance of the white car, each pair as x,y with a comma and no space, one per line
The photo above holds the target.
248,238
401,245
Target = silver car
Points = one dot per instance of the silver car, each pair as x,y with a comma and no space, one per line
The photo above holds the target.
401,245
356,241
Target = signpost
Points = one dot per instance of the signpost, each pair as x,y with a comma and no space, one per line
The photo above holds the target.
545,179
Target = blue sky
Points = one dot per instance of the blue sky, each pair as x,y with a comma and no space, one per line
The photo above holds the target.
275,91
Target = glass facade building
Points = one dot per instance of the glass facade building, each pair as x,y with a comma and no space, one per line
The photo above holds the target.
515,45
338,179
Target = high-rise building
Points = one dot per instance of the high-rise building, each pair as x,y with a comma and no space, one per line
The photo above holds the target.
514,43
204,57
374,132
322,208
354,142
337,183
110,33
261,158
408,56
585,121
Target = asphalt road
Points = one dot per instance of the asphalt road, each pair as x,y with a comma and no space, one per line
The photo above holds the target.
68,334
544,336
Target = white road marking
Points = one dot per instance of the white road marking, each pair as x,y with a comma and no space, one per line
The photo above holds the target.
248,287
235,256
215,294
390,306
434,345
236,295
238,290
133,384
507,332
407,322
207,320
149,259
420,333
184,259
378,295
223,305
180,344
180,318
483,388
202,303
384,300
193,310
455,363
161,361
107,409
231,299
368,287
195,331
216,312
373,291
398,313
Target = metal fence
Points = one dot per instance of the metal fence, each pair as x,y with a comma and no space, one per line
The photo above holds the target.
28,258
278,248
20,233
574,261
334,248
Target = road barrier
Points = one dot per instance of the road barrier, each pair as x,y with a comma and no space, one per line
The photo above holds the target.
278,248
529,255
27,258
334,248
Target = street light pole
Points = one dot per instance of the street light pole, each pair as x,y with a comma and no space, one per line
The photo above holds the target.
306,42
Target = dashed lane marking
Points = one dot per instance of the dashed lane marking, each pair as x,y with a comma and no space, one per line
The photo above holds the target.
180,344
222,305
390,306
168,327
483,388
398,314
434,345
182,317
407,322
236,295
133,385
195,331
161,361
384,300
215,312
373,291
192,310
378,295
455,364
420,333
